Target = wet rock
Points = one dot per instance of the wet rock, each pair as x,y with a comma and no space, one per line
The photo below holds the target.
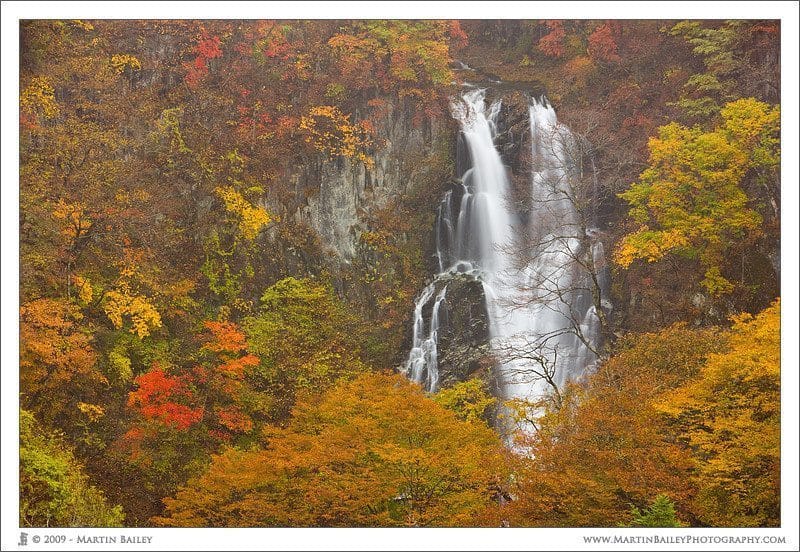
464,333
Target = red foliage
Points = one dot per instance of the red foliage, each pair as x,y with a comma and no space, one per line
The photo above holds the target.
552,44
271,41
206,48
602,45
155,399
767,27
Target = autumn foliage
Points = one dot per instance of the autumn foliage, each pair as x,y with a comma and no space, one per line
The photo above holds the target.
194,352
371,452
161,397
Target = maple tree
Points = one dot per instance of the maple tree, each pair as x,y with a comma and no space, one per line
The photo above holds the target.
57,361
552,44
370,452
602,45
608,446
730,415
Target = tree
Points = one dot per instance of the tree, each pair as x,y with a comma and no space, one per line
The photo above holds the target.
661,513
54,490
305,339
58,365
602,43
690,202
730,417
608,446
739,58
469,400
180,412
552,43
373,451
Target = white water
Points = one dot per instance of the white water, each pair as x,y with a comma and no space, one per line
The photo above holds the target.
537,294
422,364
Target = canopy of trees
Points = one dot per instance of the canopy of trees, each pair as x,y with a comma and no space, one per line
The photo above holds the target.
373,451
194,352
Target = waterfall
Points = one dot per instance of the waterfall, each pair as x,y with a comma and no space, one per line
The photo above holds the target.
535,270
422,365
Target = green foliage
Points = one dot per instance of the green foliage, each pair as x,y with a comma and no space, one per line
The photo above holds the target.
54,490
468,399
723,51
661,513
221,279
305,337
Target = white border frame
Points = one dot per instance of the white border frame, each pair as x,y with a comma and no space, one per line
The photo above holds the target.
393,539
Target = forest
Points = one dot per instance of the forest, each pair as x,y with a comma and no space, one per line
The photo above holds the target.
248,296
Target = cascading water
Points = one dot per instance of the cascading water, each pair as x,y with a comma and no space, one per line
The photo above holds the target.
536,273
422,365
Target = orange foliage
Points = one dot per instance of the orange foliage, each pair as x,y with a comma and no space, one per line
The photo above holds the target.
371,452
57,362
234,419
609,447
457,35
227,338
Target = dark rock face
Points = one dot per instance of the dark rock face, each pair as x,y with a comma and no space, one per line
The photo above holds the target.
464,329
513,130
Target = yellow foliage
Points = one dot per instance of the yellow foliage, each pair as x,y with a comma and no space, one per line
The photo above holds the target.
81,24
690,201
651,246
730,415
330,131
468,399
251,218
92,411
121,302
119,62
38,98
75,215
84,287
